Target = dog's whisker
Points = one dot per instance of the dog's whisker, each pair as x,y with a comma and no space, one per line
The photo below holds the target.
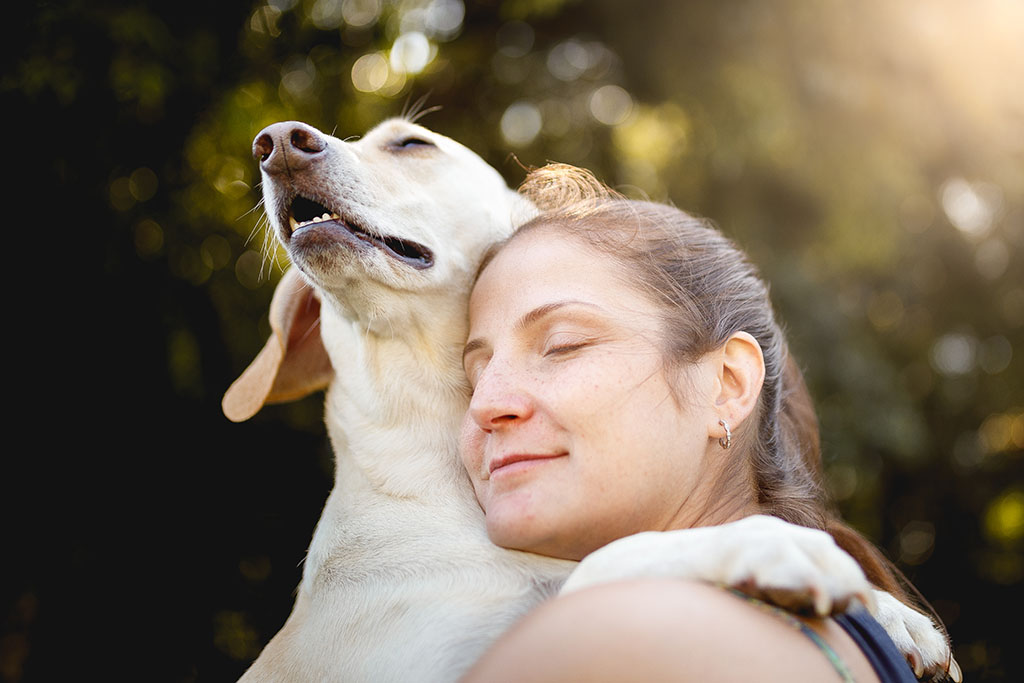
414,113
269,254
252,234
282,265
258,205
265,245
263,220
263,255
312,328
366,333
429,110
406,109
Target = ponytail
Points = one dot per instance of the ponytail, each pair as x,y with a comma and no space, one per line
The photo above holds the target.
800,439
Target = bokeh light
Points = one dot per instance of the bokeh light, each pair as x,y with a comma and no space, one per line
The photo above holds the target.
521,123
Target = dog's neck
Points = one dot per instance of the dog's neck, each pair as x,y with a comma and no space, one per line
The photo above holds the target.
393,412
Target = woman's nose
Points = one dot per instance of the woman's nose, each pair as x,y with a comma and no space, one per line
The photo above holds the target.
499,401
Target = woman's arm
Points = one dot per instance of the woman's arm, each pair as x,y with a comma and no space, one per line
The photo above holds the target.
663,630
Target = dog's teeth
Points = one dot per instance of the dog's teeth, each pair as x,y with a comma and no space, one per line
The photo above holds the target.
327,216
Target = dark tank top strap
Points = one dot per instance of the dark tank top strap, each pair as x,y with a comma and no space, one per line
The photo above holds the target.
877,646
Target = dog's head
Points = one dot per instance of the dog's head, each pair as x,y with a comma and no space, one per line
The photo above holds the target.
399,211
386,231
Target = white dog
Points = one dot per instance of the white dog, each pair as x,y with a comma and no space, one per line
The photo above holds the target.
401,582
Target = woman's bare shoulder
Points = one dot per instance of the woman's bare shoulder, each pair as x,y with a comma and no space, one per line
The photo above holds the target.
661,630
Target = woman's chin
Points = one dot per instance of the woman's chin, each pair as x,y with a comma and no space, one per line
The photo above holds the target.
509,533
538,520
518,531
533,538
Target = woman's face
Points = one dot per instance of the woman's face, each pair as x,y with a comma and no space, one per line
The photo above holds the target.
574,437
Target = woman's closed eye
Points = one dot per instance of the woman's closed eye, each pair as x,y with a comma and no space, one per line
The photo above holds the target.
563,343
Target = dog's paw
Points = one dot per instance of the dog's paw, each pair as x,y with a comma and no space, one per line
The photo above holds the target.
792,566
919,640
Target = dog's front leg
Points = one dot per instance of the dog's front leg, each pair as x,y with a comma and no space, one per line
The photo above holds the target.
792,566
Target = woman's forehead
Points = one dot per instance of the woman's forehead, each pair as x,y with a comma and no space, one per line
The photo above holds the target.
540,259
537,269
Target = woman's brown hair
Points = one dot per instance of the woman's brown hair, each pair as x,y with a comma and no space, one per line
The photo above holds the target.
710,290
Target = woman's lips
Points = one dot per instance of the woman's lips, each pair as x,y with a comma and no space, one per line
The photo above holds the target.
506,462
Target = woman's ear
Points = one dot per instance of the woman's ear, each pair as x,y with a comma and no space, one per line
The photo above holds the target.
740,378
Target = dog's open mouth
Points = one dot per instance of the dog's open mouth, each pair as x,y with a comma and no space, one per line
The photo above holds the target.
305,213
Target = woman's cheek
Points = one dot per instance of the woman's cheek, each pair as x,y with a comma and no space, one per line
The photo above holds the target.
470,445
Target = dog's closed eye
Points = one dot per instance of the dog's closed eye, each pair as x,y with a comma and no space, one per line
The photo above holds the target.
411,143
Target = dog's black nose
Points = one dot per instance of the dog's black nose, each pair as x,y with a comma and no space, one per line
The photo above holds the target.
288,146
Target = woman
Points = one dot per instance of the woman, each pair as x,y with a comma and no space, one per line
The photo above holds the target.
629,375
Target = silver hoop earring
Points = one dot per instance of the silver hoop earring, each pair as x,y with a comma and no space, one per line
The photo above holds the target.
726,440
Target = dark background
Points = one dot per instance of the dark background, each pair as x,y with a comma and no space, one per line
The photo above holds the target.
869,155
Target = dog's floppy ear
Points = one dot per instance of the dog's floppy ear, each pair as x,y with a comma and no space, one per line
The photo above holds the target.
293,363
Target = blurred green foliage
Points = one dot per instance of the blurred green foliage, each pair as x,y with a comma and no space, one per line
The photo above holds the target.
869,156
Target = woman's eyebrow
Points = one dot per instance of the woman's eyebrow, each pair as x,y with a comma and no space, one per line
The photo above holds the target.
540,312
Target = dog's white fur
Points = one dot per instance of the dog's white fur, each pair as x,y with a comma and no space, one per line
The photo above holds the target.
401,582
